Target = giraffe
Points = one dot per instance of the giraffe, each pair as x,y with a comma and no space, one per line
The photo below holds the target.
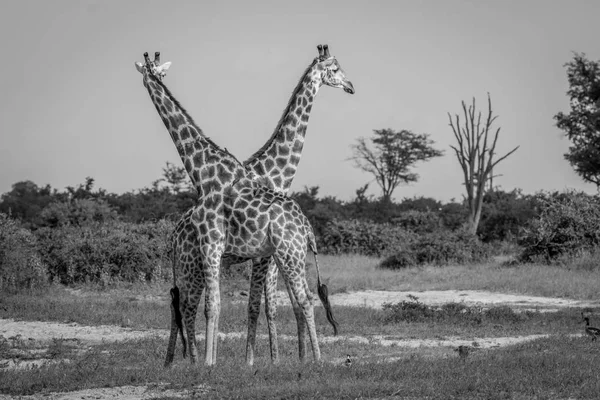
276,161
235,218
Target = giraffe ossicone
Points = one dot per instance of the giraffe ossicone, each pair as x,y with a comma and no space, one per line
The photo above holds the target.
158,69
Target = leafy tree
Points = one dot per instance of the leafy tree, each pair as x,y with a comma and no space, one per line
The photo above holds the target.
26,200
475,152
85,190
582,124
176,178
392,157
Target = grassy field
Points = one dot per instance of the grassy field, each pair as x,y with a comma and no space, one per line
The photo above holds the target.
351,273
561,365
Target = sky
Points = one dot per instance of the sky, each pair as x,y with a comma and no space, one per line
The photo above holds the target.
73,104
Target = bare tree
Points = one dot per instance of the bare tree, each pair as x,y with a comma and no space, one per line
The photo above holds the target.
475,153
392,157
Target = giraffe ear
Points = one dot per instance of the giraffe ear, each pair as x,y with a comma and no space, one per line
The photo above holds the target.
139,67
165,66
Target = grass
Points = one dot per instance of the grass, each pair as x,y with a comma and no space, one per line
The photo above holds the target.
560,366
123,309
352,272
568,365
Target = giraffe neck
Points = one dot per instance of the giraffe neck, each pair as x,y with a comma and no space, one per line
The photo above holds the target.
279,157
209,166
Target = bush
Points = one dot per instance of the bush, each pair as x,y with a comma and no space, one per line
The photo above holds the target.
418,221
77,212
439,248
20,264
362,237
103,252
569,224
504,214
412,310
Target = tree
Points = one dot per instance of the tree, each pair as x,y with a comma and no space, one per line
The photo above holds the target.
176,178
582,124
393,157
26,200
475,153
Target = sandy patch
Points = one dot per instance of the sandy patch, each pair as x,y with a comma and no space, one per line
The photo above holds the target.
121,392
376,298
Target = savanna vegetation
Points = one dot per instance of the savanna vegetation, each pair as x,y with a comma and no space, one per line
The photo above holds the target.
84,255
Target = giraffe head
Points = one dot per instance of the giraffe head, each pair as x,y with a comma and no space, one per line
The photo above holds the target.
331,74
155,68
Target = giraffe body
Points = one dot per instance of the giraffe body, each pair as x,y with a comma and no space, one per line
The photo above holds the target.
272,225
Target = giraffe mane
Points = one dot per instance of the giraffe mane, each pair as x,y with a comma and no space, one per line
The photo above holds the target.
189,117
285,112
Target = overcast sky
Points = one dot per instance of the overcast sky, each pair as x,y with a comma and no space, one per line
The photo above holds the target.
73,104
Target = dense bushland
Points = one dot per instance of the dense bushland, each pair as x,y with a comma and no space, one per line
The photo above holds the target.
85,234
20,263
568,226
363,237
439,248
105,252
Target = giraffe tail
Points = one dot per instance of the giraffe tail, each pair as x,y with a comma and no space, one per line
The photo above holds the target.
322,290
178,317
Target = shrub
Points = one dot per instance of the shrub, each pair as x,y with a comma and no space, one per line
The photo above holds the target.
569,224
412,310
504,214
439,248
20,264
418,221
103,252
363,237
77,212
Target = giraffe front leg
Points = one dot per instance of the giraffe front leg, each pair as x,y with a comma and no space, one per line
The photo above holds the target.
257,280
211,313
271,309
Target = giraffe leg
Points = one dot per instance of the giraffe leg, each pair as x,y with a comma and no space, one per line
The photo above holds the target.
189,307
293,270
271,309
212,307
257,281
300,322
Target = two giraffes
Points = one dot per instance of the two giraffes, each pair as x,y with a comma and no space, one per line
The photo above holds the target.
242,213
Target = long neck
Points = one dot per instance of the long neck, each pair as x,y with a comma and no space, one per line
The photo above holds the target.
279,157
209,166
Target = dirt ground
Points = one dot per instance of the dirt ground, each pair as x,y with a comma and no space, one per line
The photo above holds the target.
82,336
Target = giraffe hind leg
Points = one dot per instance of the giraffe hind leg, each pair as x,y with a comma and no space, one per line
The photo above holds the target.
257,281
271,309
300,321
298,288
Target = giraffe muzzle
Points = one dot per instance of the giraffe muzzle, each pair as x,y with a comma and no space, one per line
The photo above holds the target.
348,87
